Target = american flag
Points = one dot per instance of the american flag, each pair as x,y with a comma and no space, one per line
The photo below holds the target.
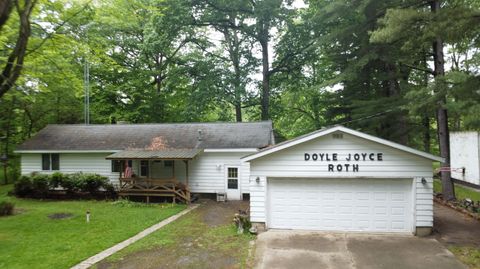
128,170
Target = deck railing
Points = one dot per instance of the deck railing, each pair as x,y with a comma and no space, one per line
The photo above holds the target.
148,187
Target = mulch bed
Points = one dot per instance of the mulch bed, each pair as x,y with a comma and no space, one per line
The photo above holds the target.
457,208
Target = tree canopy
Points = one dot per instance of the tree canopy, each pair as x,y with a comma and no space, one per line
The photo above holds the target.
407,71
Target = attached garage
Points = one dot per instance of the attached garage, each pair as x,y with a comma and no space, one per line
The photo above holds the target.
338,179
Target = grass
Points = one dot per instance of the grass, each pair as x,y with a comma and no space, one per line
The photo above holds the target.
461,192
192,240
470,256
30,239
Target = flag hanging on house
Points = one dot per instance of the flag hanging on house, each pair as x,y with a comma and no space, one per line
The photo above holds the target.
128,170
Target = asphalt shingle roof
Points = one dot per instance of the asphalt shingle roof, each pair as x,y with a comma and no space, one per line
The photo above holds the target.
152,136
155,154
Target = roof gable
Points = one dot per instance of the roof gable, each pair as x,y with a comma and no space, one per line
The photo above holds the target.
117,137
326,131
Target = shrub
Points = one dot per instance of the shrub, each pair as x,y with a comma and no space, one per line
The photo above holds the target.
23,186
40,184
92,183
56,180
6,208
70,183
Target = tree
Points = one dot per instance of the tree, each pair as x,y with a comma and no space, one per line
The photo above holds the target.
423,30
14,61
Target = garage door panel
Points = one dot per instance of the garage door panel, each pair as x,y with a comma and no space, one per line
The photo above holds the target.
341,205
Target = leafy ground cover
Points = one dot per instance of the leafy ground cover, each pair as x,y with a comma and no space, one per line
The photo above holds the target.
461,192
54,234
204,238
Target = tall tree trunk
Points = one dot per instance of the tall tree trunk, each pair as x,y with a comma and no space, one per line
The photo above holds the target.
238,112
265,97
441,113
426,117
426,133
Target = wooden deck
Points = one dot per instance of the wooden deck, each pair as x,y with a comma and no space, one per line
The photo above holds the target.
151,187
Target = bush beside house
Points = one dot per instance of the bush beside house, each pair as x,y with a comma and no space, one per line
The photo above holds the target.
71,185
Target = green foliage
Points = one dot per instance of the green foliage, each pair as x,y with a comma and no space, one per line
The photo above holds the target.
467,254
23,186
39,185
6,208
41,238
128,203
364,64
461,192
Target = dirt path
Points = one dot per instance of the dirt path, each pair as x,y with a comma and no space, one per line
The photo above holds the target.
202,239
454,228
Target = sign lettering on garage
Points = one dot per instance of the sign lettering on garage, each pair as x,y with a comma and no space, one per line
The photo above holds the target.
349,158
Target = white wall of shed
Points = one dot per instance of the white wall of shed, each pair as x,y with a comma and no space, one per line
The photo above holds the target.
464,152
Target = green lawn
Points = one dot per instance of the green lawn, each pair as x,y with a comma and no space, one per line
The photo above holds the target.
461,192
30,239
468,255
189,239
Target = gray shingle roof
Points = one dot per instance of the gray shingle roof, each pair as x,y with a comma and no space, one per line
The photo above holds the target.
152,136
155,154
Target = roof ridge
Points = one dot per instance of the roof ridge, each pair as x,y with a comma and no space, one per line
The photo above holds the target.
160,123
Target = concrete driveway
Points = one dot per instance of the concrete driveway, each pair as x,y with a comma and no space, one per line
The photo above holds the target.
301,249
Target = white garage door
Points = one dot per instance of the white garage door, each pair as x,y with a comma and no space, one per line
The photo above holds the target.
374,205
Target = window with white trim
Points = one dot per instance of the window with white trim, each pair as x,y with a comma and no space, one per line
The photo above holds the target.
50,161
232,178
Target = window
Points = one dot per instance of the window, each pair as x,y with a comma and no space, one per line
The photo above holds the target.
117,165
50,161
144,165
232,177
168,163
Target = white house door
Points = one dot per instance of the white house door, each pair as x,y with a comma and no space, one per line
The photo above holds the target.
232,183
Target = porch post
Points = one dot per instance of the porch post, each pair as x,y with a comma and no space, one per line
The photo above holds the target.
186,172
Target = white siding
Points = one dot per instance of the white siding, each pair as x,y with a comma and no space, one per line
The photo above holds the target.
207,171
258,199
423,202
464,151
204,176
290,163
71,163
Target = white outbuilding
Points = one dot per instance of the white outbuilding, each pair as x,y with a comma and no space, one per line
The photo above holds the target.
465,156
338,179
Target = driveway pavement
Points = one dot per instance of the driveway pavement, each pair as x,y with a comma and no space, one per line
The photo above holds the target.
301,249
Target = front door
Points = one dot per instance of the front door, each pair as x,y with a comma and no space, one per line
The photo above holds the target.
232,183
